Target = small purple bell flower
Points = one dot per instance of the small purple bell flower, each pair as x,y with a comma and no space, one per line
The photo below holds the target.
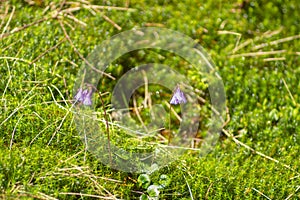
84,96
178,97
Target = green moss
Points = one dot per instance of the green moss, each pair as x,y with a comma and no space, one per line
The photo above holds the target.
263,113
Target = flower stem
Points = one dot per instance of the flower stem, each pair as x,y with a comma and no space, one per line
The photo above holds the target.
107,127
169,139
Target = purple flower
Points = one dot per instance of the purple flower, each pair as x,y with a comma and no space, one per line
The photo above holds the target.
79,95
178,97
84,96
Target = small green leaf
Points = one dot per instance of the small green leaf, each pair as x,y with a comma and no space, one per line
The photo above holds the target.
153,190
144,181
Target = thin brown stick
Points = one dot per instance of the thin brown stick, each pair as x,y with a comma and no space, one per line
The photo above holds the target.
76,20
15,30
112,22
79,54
227,118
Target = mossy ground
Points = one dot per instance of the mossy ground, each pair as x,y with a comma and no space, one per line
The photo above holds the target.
39,63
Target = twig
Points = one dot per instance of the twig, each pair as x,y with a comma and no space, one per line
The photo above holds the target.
15,30
227,118
112,22
79,54
76,20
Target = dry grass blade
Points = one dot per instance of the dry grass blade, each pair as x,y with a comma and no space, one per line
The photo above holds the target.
287,88
76,20
22,103
229,135
260,53
291,195
48,126
13,133
136,111
63,119
8,22
207,192
267,34
79,54
232,33
259,192
190,191
274,59
111,8
9,80
18,29
173,111
276,42
3,16
86,195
